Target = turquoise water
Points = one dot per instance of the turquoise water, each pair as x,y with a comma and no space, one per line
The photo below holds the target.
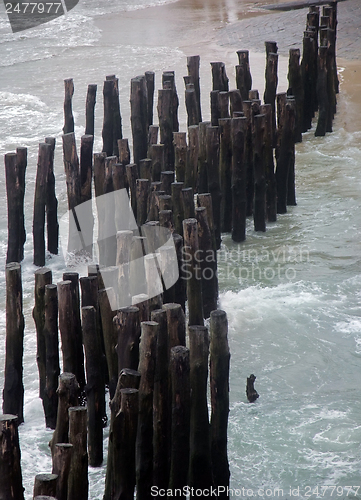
292,294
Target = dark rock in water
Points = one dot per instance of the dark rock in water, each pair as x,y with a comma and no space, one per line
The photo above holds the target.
251,392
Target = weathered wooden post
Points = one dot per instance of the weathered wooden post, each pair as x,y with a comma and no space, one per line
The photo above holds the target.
219,382
271,187
271,82
243,74
89,109
168,81
156,154
225,173
219,76
178,211
215,111
285,154
193,63
238,178
202,182
51,203
149,82
117,119
13,394
259,173
95,387
166,178
296,89
11,483
223,104
86,174
43,276
191,105
180,154
61,467
127,328
144,441
44,158
78,484
180,285
291,187
165,116
45,485
214,187
192,269
180,429
132,176
71,166
107,131
235,102
322,93
139,117
190,178
176,324
107,299
248,157
15,165
161,417
145,169
200,468
124,152
52,369
142,193
68,394
308,77
205,200
68,112
208,263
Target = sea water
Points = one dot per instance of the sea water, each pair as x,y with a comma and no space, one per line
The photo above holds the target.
292,294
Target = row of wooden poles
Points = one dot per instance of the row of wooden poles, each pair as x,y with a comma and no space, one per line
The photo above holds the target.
160,434
232,157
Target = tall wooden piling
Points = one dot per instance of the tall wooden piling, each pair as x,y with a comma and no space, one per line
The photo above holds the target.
180,154
68,111
219,76
238,178
180,429
45,485
225,173
89,109
107,305
139,117
144,442
107,131
243,76
13,393
43,277
78,484
52,368
124,152
190,178
149,82
214,187
219,382
51,203
177,204
271,187
271,76
191,105
165,116
259,173
284,156
200,468
61,467
127,328
156,153
168,81
43,166
95,387
296,89
11,483
193,63
71,166
322,93
68,394
193,270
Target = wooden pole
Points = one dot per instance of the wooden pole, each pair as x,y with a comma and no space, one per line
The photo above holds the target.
107,131
143,188
271,82
78,484
149,81
190,177
180,429
52,368
13,394
156,154
219,76
145,169
45,485
193,271
61,467
291,187
223,104
11,483
200,468
127,328
202,182
168,81
68,112
205,200
139,117
117,119
193,63
71,166
259,173
76,321
95,388
165,116
243,76
132,176
285,154
161,417
238,179
248,158
124,151
296,89
225,173
208,263
191,105
106,300
144,441
271,187
180,154
44,158
219,382
51,203
214,187
166,178
177,204
68,394
89,109
215,111
180,285
235,102
322,93
43,276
